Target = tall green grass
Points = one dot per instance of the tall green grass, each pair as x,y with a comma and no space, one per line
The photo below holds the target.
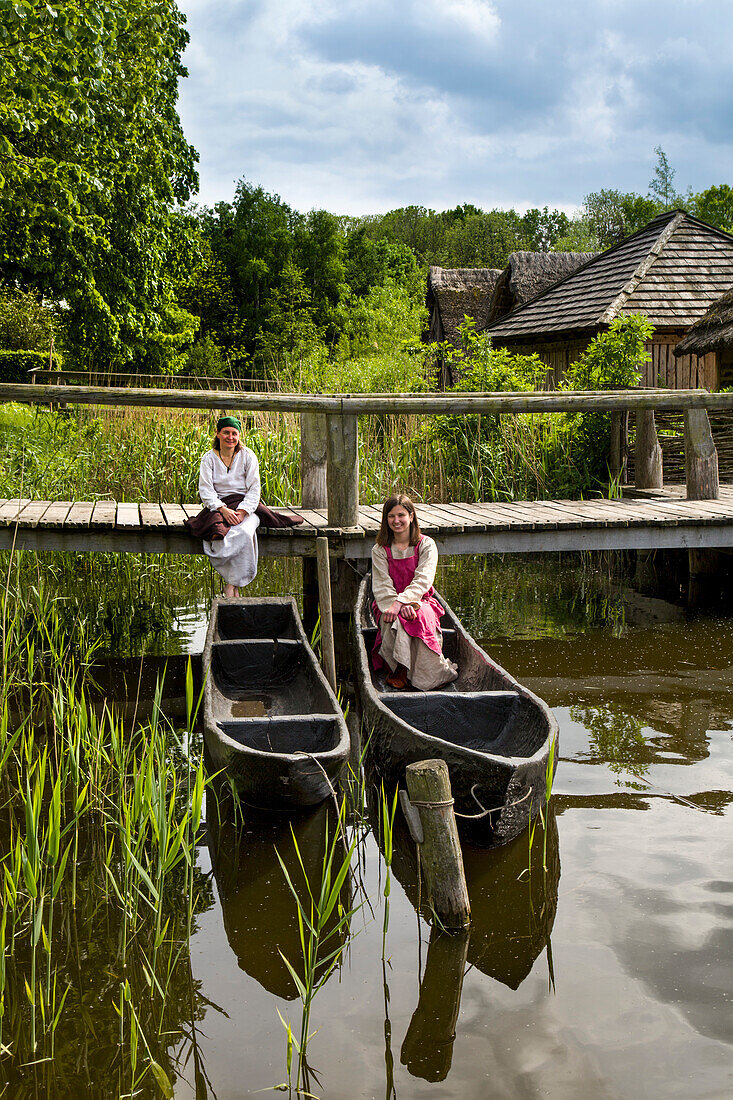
99,887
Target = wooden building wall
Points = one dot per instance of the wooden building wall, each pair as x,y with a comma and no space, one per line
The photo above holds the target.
662,371
683,373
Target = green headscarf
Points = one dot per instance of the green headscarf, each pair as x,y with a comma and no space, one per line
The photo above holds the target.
228,422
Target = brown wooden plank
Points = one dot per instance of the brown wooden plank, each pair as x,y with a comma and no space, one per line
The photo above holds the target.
80,514
368,522
471,519
33,512
104,514
151,515
174,514
12,508
631,514
460,514
429,520
191,510
56,514
315,517
128,515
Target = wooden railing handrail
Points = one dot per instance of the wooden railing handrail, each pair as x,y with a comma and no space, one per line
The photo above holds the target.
358,404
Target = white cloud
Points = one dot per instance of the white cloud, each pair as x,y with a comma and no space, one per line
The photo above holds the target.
363,105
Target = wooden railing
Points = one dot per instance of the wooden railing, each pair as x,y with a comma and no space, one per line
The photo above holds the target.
329,425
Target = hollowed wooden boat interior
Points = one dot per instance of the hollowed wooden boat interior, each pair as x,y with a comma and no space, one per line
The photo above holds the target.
493,733
271,720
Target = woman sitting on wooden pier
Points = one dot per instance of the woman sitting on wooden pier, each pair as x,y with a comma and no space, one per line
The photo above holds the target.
408,614
229,487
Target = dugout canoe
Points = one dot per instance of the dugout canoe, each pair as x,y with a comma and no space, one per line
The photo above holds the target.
272,724
493,733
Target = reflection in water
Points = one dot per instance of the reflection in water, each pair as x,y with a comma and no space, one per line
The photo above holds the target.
260,914
427,1050
513,905
615,738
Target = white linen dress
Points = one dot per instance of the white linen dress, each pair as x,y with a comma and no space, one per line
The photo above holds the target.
235,556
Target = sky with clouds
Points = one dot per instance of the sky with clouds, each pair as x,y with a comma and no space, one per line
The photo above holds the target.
360,106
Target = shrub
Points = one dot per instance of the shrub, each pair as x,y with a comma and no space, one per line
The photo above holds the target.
15,365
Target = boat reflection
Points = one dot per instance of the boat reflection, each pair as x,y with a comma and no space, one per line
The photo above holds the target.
260,914
513,904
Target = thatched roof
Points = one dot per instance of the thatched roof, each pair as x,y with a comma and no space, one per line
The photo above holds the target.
527,274
713,332
672,271
457,293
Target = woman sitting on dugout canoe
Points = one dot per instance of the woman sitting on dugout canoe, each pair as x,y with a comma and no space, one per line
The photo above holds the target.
409,640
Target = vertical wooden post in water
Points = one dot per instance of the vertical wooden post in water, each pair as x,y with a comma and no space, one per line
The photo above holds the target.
701,457
324,591
343,470
647,453
701,471
313,463
428,785
343,511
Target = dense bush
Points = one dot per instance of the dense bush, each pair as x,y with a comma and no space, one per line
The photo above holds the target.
15,365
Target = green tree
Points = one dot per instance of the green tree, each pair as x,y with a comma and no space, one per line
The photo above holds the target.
715,206
661,185
319,247
542,228
26,324
613,215
92,157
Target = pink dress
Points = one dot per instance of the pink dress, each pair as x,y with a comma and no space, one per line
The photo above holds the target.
425,673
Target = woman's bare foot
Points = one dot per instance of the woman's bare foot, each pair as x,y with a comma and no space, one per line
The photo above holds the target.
398,678
230,591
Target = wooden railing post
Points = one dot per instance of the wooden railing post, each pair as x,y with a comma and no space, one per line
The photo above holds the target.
313,459
343,470
647,452
701,457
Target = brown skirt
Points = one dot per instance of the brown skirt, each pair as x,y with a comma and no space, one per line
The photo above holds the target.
212,525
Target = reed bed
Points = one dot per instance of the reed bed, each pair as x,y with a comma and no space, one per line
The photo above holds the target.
99,887
131,454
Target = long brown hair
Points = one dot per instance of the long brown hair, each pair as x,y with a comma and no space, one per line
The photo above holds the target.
385,536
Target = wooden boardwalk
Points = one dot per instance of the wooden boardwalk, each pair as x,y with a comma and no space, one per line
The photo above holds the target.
644,519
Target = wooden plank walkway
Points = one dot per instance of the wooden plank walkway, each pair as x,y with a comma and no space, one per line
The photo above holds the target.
643,519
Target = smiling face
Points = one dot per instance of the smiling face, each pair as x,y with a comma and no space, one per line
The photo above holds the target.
399,519
228,438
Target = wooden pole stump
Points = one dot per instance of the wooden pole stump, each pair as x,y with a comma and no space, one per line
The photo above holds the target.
428,785
343,511
647,452
313,462
427,1050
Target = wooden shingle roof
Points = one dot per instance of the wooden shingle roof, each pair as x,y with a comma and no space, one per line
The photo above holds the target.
461,292
671,270
527,274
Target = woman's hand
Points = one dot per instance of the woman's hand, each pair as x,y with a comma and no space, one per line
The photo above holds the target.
406,610
232,517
